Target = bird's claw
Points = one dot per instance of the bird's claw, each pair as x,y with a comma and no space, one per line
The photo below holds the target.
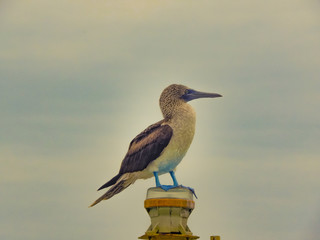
191,190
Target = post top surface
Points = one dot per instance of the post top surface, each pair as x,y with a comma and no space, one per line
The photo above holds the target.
177,193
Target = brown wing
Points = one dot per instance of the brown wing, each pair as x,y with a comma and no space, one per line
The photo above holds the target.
146,147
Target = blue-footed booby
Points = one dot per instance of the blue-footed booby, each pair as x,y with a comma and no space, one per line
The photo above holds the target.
160,147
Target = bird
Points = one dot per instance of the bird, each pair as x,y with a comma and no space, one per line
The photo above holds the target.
161,146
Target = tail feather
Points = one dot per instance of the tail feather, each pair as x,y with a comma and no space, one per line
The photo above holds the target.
111,182
123,182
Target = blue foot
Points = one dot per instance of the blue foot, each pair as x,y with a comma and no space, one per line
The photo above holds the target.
168,187
175,183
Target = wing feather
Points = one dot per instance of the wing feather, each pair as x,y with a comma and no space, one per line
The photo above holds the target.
146,147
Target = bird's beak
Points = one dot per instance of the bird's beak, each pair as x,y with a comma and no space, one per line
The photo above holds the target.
193,94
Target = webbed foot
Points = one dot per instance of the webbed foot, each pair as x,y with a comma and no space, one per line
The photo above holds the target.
167,187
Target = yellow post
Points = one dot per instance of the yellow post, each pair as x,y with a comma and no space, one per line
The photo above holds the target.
169,212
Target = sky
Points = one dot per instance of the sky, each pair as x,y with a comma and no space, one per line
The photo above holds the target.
80,79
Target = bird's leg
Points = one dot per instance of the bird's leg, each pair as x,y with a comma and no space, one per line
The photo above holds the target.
157,179
164,187
175,182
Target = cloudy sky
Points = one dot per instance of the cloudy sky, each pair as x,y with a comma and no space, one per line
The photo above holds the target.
80,79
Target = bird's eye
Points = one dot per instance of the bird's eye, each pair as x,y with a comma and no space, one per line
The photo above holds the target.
188,91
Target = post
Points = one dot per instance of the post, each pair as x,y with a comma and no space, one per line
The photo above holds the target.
169,212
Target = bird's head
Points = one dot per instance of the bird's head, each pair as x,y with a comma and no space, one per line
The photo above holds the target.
175,95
